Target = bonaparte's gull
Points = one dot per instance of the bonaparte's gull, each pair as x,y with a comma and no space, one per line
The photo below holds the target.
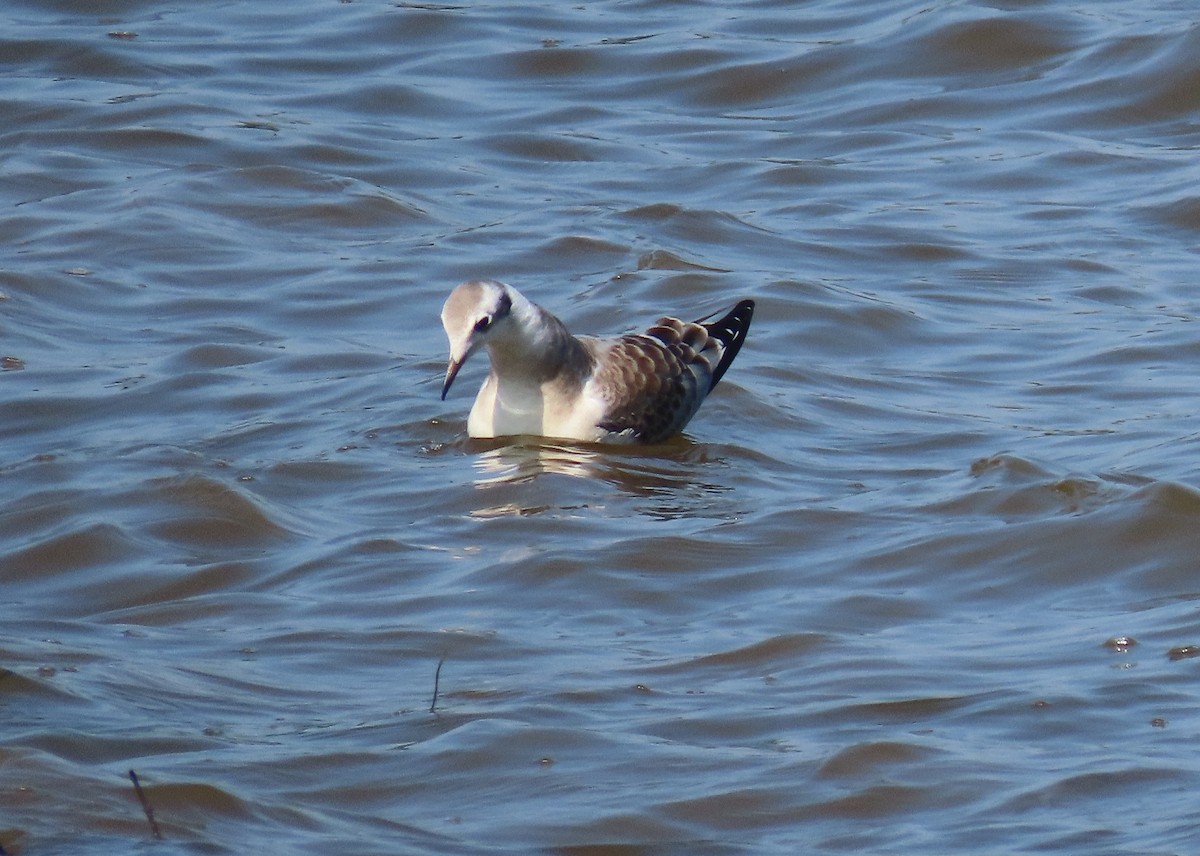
640,387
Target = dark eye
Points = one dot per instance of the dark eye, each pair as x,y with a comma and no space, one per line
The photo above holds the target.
483,323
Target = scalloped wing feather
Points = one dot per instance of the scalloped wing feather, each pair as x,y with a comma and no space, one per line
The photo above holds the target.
654,382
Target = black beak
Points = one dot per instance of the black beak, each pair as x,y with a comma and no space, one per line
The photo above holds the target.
451,373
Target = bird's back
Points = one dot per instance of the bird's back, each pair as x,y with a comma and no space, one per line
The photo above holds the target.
653,383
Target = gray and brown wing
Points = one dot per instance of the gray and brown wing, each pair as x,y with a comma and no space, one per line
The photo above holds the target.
653,382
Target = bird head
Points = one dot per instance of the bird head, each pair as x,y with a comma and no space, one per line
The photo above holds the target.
473,313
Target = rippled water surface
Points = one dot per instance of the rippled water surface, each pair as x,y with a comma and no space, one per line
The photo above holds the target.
922,577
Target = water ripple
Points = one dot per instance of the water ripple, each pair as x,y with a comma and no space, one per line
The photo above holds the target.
867,603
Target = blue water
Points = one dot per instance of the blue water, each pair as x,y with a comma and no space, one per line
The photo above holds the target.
919,578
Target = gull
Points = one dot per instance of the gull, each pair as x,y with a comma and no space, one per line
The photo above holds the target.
635,388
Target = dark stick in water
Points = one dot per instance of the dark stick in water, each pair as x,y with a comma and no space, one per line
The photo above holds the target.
437,676
146,807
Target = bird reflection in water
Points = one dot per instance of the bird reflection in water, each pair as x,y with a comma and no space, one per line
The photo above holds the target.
508,476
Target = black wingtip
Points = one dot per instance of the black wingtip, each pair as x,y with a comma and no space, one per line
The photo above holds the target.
731,330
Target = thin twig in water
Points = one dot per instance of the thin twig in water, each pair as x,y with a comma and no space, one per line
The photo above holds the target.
146,807
437,676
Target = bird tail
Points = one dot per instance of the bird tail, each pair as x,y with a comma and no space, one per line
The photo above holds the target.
731,331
